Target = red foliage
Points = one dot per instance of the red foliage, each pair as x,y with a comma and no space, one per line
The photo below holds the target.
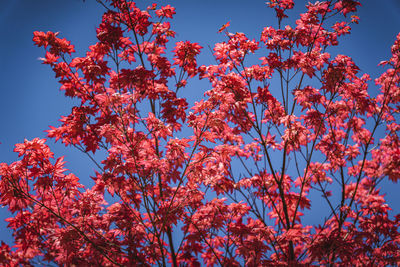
233,192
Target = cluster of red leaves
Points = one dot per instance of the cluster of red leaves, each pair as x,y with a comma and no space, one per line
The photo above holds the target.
236,191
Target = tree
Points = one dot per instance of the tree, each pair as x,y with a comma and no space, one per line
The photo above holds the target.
227,181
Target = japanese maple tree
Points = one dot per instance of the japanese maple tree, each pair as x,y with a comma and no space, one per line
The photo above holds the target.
227,181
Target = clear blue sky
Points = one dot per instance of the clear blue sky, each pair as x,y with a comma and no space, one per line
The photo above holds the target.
30,97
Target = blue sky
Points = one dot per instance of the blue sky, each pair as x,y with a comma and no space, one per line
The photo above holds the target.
30,97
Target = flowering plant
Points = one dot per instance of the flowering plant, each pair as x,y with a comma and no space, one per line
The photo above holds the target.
228,180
